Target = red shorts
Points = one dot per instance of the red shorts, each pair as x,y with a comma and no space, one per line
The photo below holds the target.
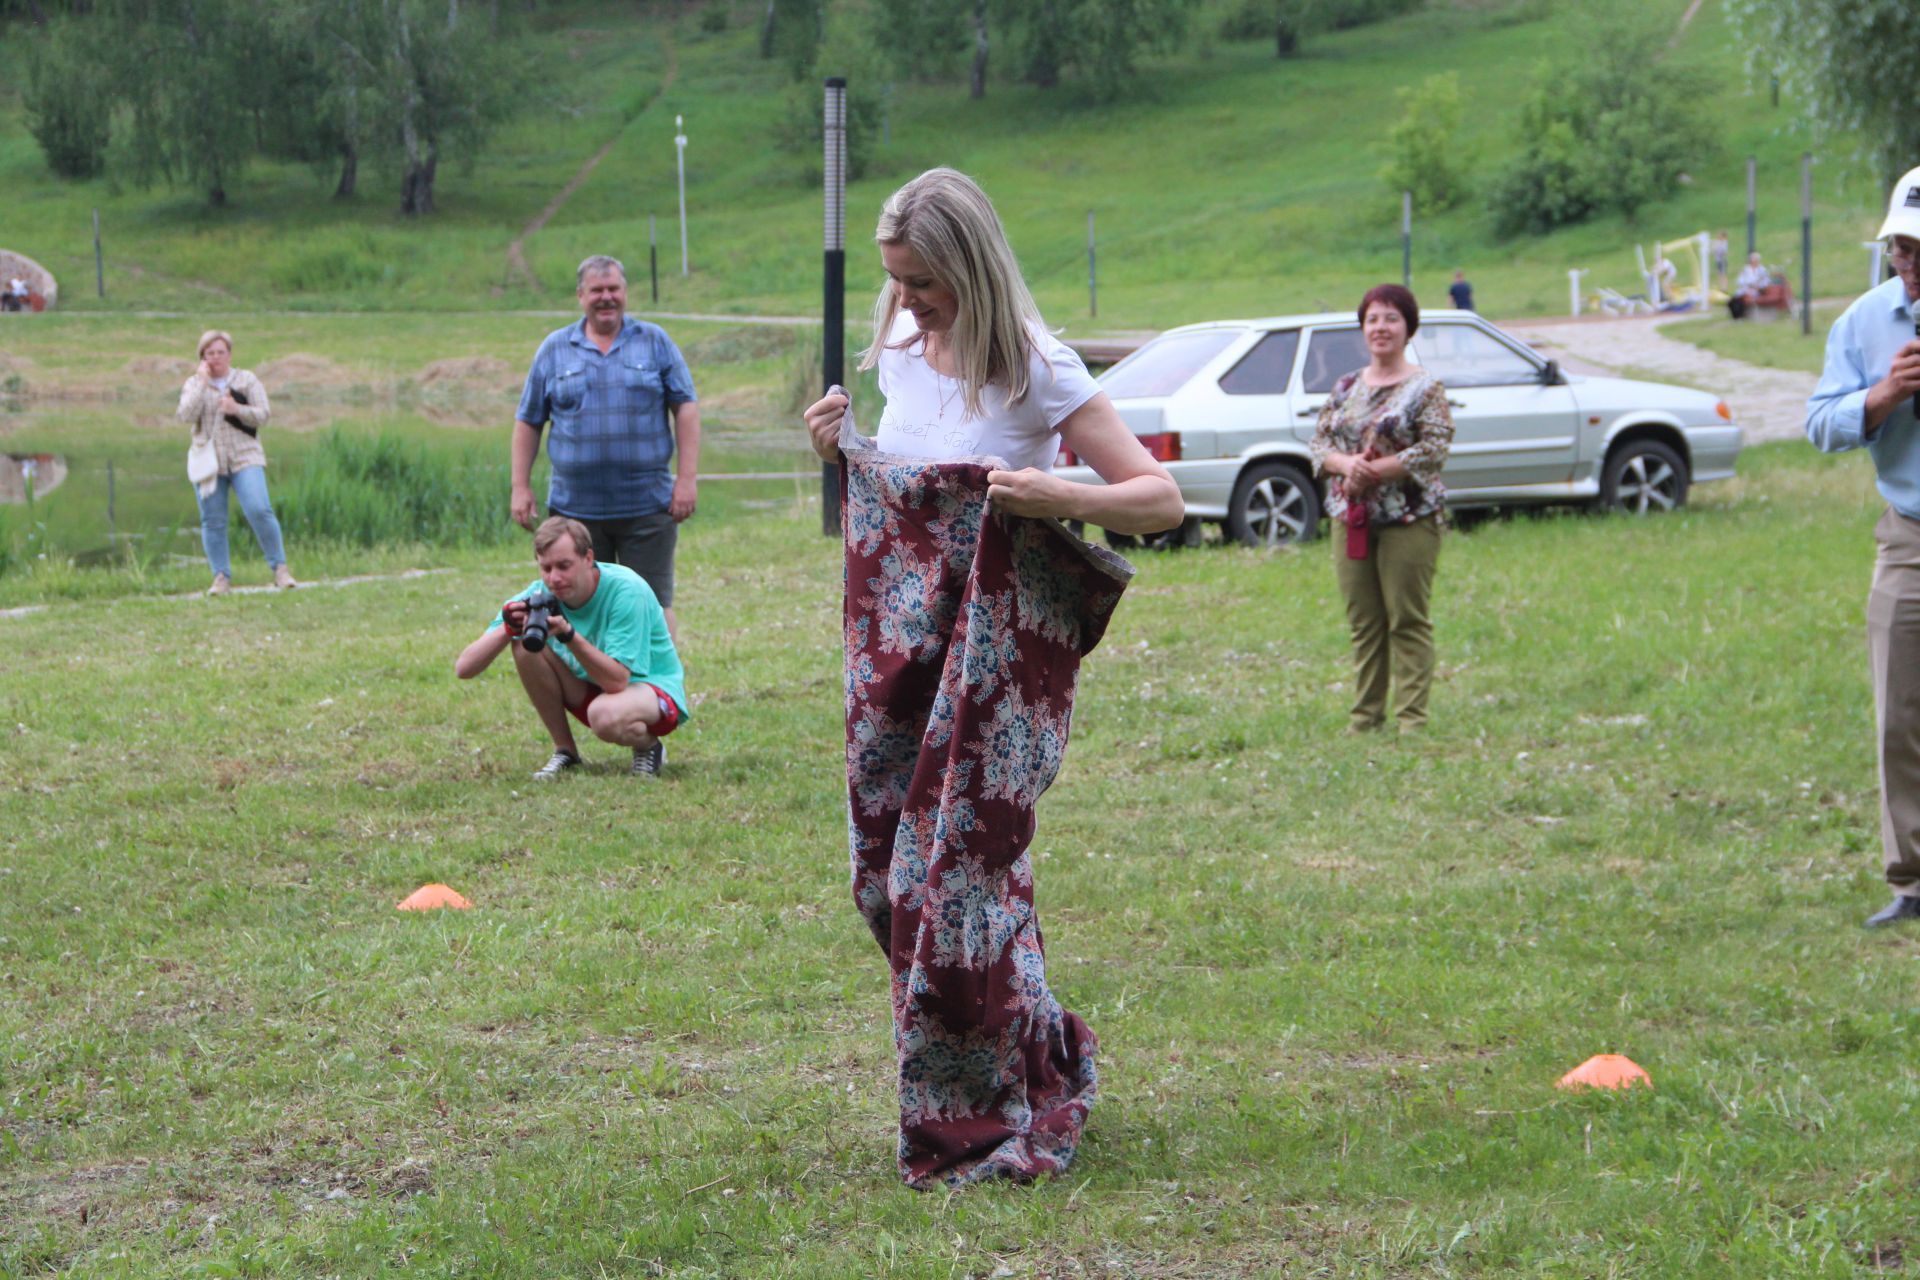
669,709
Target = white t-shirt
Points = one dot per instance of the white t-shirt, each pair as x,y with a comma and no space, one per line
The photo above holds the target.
926,415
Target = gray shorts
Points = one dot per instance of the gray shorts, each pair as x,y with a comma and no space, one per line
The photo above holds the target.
643,544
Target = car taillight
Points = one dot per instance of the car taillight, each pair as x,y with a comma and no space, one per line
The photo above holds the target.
1066,458
1723,411
1163,445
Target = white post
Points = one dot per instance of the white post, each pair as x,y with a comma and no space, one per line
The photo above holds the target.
680,163
1573,289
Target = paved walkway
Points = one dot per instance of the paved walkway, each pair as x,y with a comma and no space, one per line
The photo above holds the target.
1769,404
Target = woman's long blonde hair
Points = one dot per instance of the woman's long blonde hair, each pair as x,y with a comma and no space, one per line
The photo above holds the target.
948,222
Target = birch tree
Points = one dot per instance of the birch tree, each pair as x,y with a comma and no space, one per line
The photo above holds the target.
1848,61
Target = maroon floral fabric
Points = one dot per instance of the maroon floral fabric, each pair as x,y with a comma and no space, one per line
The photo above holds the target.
964,634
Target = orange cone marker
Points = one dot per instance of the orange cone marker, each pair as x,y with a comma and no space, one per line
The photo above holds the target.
430,896
1606,1071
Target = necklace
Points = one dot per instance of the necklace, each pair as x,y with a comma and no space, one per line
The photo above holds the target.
940,381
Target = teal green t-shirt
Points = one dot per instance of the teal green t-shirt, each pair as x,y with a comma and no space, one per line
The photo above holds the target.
623,619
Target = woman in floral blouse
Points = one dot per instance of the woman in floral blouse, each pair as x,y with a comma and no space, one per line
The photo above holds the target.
1383,436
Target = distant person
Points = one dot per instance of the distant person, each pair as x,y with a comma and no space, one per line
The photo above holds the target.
621,403
608,659
227,408
1719,250
1660,280
1384,434
1865,399
1461,292
1754,281
950,514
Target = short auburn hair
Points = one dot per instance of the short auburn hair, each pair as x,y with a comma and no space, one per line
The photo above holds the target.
554,528
1399,297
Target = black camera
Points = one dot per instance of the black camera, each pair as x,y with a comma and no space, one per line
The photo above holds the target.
540,607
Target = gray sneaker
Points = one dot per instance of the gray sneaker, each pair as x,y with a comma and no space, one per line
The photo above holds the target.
649,761
558,764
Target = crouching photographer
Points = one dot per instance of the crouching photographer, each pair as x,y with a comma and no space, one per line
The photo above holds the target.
588,640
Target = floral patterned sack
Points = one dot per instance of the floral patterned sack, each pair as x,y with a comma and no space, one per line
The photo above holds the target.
964,634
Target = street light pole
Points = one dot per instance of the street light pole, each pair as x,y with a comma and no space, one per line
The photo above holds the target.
680,163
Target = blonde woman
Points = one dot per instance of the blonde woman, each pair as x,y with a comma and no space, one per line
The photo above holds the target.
968,608
227,407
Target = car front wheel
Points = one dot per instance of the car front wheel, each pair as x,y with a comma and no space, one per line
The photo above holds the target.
1274,504
1644,477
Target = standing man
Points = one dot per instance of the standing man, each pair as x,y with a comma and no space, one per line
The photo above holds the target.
1461,292
1866,398
619,396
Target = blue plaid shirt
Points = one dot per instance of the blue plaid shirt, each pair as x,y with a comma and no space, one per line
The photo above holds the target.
612,433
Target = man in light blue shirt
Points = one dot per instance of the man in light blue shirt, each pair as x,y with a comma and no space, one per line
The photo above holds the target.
621,405
1866,398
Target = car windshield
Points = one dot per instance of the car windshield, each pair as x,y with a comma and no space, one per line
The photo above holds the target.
1163,366
1462,356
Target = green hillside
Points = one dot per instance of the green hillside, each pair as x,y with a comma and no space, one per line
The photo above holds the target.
1225,181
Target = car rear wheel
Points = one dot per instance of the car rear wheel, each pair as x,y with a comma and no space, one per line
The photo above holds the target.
1274,504
1644,477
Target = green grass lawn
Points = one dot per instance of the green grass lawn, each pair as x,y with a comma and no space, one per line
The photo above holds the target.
1223,182
1334,978
1776,344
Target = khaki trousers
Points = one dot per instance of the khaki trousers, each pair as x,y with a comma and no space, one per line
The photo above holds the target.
1893,642
1387,596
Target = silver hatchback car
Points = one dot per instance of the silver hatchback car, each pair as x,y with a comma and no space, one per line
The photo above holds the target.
1229,407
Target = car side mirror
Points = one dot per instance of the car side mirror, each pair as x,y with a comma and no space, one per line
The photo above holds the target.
1550,374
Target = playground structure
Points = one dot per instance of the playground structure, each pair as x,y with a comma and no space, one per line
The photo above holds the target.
43,291
1677,276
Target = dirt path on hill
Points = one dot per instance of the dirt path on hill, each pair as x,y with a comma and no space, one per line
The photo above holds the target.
1769,404
518,271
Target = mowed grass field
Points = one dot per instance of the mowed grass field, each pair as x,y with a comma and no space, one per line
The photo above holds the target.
1334,978
1223,181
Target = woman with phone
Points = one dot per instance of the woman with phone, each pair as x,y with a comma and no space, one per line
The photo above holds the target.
227,407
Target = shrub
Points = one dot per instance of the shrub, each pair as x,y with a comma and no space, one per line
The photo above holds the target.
1426,157
371,489
1608,134
68,111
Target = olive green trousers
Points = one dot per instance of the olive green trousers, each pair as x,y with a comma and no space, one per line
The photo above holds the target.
1388,596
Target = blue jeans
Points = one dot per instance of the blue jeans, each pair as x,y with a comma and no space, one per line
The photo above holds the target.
250,486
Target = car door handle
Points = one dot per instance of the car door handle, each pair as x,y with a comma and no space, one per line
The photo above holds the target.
1455,404
1305,413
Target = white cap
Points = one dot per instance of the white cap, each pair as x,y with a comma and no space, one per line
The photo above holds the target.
1903,208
